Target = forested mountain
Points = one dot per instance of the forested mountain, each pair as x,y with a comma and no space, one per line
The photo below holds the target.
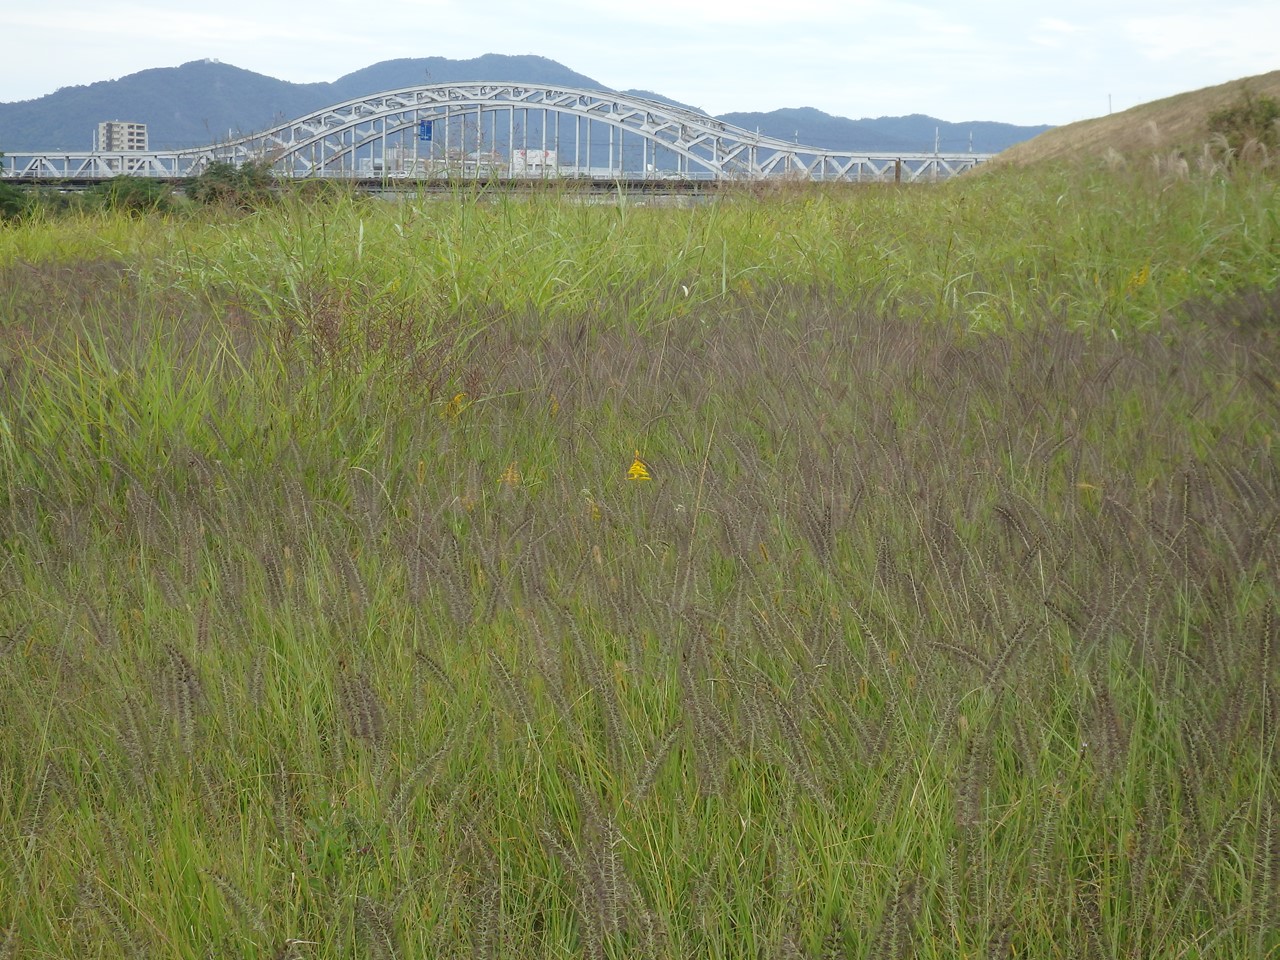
205,101
912,134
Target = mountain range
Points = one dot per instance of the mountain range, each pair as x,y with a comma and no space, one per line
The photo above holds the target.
205,101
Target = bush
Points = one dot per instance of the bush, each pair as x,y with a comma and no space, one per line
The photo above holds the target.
133,195
323,191
247,187
12,202
1250,119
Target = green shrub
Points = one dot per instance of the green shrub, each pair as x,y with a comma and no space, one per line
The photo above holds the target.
28,203
133,195
323,191
247,186
1249,119
12,202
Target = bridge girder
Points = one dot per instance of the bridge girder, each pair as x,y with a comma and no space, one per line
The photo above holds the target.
369,137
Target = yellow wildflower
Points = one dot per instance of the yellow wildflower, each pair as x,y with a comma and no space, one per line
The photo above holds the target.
512,475
1138,280
454,407
639,470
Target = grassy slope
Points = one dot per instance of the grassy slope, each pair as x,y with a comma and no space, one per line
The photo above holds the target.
333,625
1175,123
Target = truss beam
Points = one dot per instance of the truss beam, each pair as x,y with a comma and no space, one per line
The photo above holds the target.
505,130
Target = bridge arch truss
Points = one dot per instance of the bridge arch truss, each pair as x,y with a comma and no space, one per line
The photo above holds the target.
505,130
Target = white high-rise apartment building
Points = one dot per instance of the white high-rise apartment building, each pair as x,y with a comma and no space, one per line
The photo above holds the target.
118,136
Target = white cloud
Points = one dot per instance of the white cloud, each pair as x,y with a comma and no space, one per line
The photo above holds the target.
1056,34
1246,36
168,27
676,16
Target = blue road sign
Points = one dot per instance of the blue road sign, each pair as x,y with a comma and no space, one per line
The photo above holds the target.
424,130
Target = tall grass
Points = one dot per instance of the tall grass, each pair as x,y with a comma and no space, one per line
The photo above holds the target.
334,625
1111,249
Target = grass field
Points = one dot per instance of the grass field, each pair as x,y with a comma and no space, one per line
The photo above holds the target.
805,573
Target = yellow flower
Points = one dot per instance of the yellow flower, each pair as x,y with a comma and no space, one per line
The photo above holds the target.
1138,280
639,470
512,476
454,407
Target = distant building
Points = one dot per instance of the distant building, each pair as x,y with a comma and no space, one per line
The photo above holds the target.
117,136
534,163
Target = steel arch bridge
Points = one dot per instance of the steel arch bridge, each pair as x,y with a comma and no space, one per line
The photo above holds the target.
504,131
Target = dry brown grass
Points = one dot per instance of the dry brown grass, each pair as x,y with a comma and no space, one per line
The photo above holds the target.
1179,122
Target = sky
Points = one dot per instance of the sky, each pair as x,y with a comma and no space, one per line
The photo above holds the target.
1016,61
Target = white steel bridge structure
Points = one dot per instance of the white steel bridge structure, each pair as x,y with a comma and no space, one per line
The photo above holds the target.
501,131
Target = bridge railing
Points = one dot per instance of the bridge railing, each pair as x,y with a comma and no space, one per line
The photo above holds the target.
80,167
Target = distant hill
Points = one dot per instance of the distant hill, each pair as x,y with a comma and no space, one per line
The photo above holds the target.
205,101
650,95
912,134
393,74
195,103
1180,122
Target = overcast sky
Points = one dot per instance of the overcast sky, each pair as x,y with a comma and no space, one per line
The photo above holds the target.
1010,60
